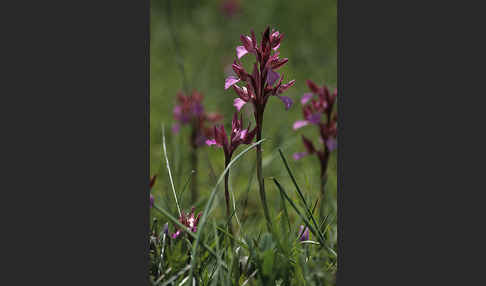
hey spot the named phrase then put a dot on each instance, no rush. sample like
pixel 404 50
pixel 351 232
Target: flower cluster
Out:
pixel 190 110
pixel 317 104
pixel 264 81
pixel 189 220
pixel 238 136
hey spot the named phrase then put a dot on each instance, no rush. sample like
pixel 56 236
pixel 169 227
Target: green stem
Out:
pixel 324 165
pixel 261 183
pixel 226 195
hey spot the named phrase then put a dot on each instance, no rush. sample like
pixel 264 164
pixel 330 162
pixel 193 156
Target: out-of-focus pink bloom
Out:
pixel 299 155
pixel 190 111
pixel 317 109
pixel 299 124
pixel 230 8
pixel 286 100
pixel 263 81
pixel 238 136
pixel 188 220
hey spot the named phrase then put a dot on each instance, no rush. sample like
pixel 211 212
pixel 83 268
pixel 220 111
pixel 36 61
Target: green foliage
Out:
pixel 205 45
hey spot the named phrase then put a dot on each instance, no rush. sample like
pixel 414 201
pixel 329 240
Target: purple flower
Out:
pixel 299 155
pixel 238 136
pixel 303 233
pixel 190 111
pixel 188 220
pixel 263 82
pixel 286 100
pixel 317 110
pixel 272 77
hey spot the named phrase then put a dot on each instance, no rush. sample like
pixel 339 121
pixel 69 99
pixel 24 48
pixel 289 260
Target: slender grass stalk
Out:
pixel 168 169
pixel 299 192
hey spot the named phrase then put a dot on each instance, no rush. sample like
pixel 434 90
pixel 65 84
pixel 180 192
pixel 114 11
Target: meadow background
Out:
pixel 191 45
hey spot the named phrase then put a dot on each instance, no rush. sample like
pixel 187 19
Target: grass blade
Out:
pixel 309 212
pixel 202 222
pixel 306 221
pixel 168 169
pixel 284 207
pixel 173 278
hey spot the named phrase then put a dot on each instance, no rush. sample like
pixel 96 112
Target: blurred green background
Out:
pixel 201 38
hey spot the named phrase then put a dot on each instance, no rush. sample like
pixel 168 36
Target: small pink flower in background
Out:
pixel 230 8
pixel 190 111
pixel 189 220
pixel 317 109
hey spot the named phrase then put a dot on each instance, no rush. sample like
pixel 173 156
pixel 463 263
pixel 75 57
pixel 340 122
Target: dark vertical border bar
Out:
pixel 340 151
pixel 77 76
pixel 147 133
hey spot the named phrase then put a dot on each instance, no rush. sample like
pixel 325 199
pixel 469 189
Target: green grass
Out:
pixel 206 44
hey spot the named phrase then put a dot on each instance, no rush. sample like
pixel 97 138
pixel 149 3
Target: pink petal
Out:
pixel 287 101
pixel 238 103
pixel 176 234
pixel 300 123
pixel 272 77
pixel 210 142
pixel 230 81
pixel 243 133
pixel 241 51
pixel 299 155
pixel 276 47
pixel 306 97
